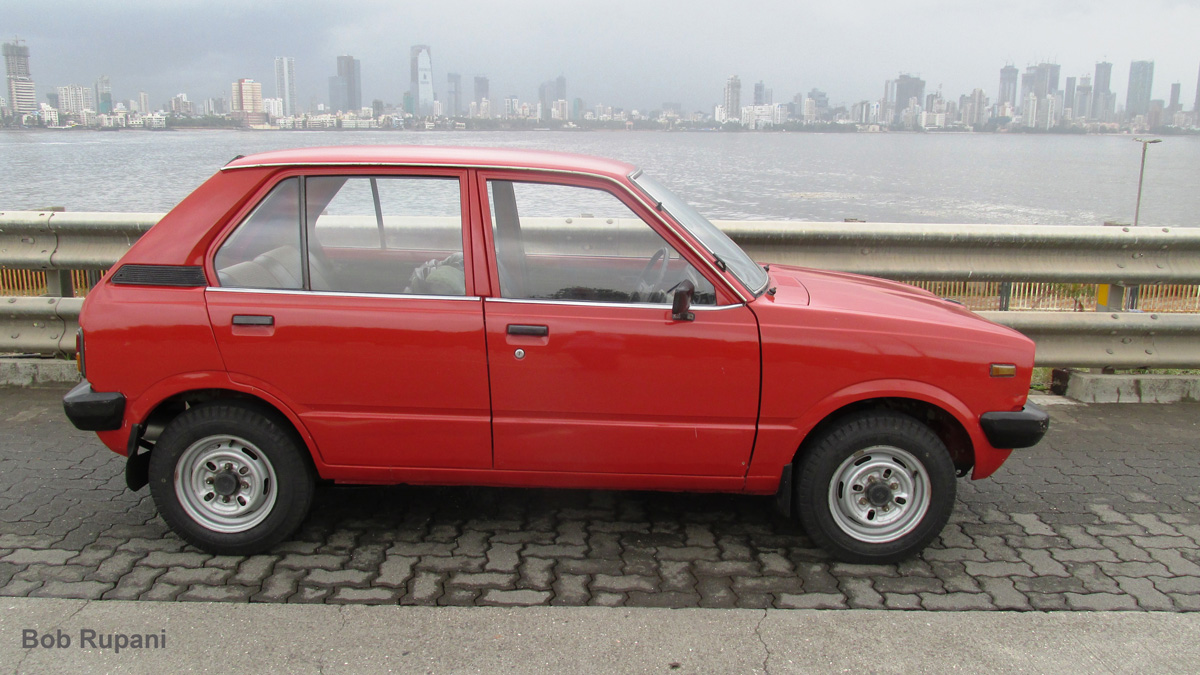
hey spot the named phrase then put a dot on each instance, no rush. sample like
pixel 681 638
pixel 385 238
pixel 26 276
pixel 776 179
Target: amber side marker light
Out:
pixel 1004 370
pixel 79 353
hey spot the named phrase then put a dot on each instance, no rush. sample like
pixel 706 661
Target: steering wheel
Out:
pixel 649 280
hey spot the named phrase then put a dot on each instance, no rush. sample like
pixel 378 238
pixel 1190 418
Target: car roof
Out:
pixel 425 155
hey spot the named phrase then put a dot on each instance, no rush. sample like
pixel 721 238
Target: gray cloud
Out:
pixel 621 52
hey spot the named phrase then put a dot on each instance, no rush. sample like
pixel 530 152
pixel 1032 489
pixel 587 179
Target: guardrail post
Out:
pixel 59 284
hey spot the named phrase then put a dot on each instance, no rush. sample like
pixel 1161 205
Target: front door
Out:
pixel 589 372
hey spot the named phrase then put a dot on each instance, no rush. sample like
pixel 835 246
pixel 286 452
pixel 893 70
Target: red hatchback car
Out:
pixel 466 316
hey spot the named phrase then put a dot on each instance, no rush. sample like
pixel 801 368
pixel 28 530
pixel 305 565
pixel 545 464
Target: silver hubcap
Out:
pixel 225 484
pixel 879 494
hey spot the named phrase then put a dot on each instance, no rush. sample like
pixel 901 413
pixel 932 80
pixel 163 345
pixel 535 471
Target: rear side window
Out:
pixel 361 234
pixel 264 251
pixel 385 234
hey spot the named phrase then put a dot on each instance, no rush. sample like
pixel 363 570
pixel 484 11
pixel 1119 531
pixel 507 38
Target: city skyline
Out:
pixel 843 51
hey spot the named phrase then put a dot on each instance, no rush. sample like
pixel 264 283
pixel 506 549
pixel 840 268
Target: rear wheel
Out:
pixel 877 488
pixel 229 479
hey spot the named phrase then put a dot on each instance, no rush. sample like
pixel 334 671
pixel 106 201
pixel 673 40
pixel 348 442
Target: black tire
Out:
pixel 230 479
pixel 859 498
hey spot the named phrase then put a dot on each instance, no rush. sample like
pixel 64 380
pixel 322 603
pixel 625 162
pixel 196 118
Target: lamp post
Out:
pixel 1142 174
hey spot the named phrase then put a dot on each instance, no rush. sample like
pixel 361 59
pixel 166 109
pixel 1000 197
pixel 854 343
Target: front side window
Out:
pixel 564 242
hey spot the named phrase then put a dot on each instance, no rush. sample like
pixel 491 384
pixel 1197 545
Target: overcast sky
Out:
pixel 627 53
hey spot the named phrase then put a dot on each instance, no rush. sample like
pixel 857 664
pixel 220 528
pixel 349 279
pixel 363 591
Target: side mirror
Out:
pixel 682 300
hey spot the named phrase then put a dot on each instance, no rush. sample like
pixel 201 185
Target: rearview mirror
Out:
pixel 682 301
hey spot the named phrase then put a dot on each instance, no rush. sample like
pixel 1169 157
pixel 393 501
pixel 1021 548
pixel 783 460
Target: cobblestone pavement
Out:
pixel 1103 514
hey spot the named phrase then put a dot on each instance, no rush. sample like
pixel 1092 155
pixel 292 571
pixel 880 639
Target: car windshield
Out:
pixel 717 242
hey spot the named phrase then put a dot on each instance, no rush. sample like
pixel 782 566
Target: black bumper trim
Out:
pixel 1015 429
pixel 92 410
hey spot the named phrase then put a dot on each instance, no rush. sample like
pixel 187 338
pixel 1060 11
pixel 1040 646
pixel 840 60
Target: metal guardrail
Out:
pixel 1077 254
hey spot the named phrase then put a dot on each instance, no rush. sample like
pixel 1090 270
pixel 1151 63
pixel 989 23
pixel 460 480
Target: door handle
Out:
pixel 253 320
pixel 522 329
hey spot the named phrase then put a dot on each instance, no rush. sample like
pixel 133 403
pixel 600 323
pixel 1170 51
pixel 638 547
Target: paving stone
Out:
pixel 253 570
pixel 860 594
pixel 999 569
pixel 689 553
pixel 676 576
pixel 716 592
pixel 14 541
pixel 602 599
pixel 184 576
pixel 482 579
pixel 1033 525
pixel 134 584
pixel 590 566
pixel 174 559
pixel 365 596
pixel 280 586
pixel 1148 597
pixel 624 583
pixel 30 556
pixel 1133 569
pixel 85 590
pixel 672 600
pixel 1175 562
pixel 1100 601
pixel 202 593
pixel 724 567
pixel 744 586
pixel 305 561
pixel 503 558
pixel 901 601
pixel 163 591
pixel 812 601
pixel 310 595
pixel 523 597
pixel 1043 564
pixel 321 577
pixel 571 589
pixel 394 571
pixel 909 585
pixel 1003 593
pixel 1093 555
pixel 817 579
pixel 537 573
pixel 956 601
pixel 953 554
pixel 425 588
pixel 149 545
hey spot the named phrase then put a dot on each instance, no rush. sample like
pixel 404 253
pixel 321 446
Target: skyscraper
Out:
pixel 21 94
pixel 73 99
pixel 1069 97
pixel 1141 78
pixel 481 90
pixel 1008 85
pixel 1196 105
pixel 104 103
pixel 245 102
pixel 454 94
pixel 1103 100
pixel 345 88
pixel 421 80
pixel 760 93
pixel 285 83
pixel 1082 105
pixel 733 98
pixel 910 93
pixel 1174 106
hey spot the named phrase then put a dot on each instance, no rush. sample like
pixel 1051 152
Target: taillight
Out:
pixel 79 359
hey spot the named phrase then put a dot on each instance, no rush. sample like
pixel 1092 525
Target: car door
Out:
pixel 343 294
pixel 589 371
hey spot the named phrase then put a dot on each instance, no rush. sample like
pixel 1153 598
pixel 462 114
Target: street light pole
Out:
pixel 1142 174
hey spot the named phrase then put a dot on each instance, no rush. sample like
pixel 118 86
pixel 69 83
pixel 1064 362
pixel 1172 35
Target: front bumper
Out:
pixel 1012 430
pixel 93 410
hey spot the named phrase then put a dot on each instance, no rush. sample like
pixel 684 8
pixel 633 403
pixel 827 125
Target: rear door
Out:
pixel 344 295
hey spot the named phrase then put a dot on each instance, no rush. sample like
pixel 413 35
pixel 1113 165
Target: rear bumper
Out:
pixel 93 410
pixel 1015 429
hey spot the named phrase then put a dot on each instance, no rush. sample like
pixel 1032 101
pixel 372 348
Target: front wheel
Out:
pixel 229 479
pixel 877 488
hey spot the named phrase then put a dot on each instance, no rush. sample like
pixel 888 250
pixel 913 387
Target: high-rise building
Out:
pixel 285 83
pixel 1141 79
pixel 481 90
pixel 1103 99
pixel 421 80
pixel 760 93
pixel 73 99
pixel 733 98
pixel 1174 106
pixel 1196 105
pixel 247 96
pixel 454 94
pixel 143 103
pixel 21 94
pixel 104 102
pixel 345 88
pixel 1008 85
pixel 1082 105
pixel 910 93
pixel 1069 97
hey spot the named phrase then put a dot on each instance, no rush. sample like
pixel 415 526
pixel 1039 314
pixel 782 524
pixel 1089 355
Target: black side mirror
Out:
pixel 682 301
